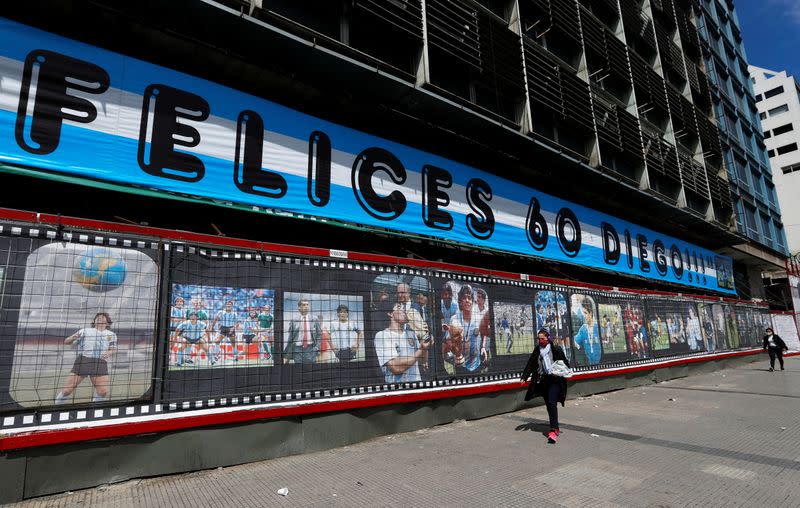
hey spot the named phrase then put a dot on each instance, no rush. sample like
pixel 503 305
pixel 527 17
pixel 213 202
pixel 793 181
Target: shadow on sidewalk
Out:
pixel 531 424
pixel 535 426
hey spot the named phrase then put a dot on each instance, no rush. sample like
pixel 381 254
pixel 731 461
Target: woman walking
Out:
pixel 775 346
pixel 552 388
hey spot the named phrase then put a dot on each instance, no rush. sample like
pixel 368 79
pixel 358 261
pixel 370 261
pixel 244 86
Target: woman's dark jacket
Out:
pixel 538 385
pixel 777 340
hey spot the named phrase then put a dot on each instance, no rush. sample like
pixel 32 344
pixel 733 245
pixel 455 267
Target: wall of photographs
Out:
pixel 93 320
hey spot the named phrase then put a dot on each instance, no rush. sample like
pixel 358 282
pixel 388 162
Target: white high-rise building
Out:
pixel 778 103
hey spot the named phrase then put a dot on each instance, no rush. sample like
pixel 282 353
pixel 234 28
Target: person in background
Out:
pixel 774 345
pixel 552 388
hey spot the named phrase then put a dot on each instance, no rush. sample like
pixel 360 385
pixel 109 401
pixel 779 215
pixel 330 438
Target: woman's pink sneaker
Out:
pixel 552 437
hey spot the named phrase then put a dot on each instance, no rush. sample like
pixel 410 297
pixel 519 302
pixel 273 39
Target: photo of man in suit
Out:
pixel 303 336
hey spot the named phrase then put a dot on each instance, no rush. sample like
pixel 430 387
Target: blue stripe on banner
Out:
pixel 112 157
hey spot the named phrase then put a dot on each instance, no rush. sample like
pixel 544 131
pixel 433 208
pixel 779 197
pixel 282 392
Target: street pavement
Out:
pixel 729 438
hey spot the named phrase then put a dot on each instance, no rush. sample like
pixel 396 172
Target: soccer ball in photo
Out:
pixel 100 269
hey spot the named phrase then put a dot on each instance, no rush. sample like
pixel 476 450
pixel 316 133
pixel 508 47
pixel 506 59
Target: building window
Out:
pixel 792 147
pixel 770 153
pixel 767 135
pixel 772 93
pixel 779 110
pixel 762 116
pixel 766 228
pixel 777 131
pixel 789 169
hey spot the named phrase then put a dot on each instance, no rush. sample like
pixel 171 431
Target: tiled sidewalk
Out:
pixel 731 438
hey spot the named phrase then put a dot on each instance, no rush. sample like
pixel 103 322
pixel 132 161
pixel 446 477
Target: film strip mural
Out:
pixel 78 318
pixel 99 327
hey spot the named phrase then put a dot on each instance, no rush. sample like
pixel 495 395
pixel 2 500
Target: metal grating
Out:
pixel 405 15
pixel 638 26
pixel 693 175
pixel 650 87
pixel 559 14
pixel 608 129
pixel 557 89
pixel 577 104
pixel 720 197
pixel 453 28
pixel 631 134
pixel 709 136
pixel 543 78
pixel 671 55
pixel 661 157
pixel 476 57
pixel 606 55
pixel 501 65
pixel 690 39
pixel 682 112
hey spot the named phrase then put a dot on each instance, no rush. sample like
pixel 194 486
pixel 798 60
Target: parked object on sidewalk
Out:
pixel 545 383
pixel 775 346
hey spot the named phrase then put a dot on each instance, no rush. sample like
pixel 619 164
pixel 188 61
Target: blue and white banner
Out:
pixel 71 108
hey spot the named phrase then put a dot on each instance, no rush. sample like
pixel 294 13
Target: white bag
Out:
pixel 560 369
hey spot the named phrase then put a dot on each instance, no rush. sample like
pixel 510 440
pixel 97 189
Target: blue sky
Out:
pixel 771 32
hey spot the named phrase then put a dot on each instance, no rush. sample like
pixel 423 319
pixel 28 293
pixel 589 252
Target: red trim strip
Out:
pixel 62 436
pixel 186 236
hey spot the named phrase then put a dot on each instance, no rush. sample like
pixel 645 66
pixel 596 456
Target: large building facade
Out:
pixel 779 110
pixel 229 211
pixel 757 212
pixel 627 98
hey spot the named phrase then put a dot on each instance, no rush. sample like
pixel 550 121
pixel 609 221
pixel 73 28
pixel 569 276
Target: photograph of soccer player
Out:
pixel 398 349
pixel 467 333
pixel 177 313
pixel 521 339
pixel 720 326
pixel 266 333
pixel 96 346
pixel 636 330
pixel 708 340
pixel 586 330
pixel 551 315
pixel 732 327
pixel 227 330
pixel 346 337
pixel 413 294
pixel 612 332
pixel 188 335
pixel 67 295
pixel 658 331
pixel 228 320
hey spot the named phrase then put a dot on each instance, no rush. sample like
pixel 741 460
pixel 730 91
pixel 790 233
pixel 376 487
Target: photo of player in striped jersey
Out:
pixel 238 327
pixel 191 332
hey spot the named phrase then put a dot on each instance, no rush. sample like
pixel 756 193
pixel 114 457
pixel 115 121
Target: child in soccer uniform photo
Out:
pixel 96 345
